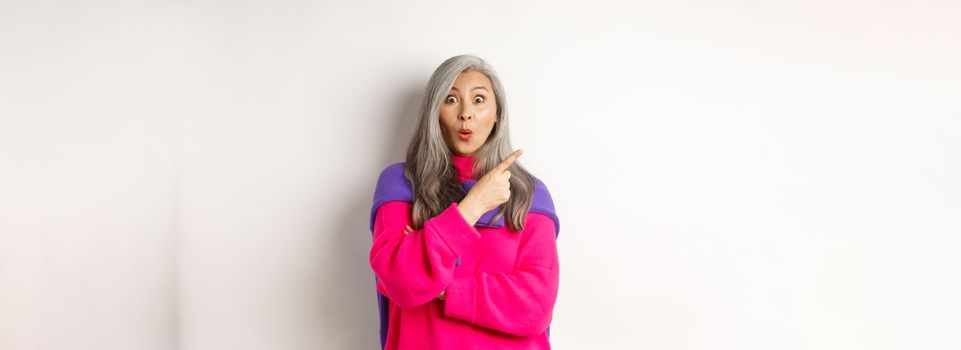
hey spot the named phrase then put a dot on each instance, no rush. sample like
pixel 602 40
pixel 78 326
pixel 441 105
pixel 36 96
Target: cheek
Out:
pixel 446 120
pixel 490 116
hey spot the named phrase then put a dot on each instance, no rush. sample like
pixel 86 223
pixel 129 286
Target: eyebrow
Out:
pixel 472 89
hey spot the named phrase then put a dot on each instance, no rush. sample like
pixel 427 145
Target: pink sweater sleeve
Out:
pixel 412 269
pixel 520 302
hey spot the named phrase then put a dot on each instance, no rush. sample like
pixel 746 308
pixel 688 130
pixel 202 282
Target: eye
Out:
pixel 451 99
pixel 479 99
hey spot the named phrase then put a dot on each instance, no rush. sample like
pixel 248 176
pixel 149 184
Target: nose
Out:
pixel 466 113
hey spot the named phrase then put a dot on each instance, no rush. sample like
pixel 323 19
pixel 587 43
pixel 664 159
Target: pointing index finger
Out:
pixel 508 161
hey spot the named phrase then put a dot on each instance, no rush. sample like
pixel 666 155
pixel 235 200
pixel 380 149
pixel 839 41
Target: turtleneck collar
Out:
pixel 464 165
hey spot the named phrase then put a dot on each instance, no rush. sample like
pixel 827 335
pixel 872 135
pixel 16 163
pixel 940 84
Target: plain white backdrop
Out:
pixel 728 174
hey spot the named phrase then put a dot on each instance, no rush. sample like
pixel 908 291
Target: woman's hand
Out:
pixel 492 190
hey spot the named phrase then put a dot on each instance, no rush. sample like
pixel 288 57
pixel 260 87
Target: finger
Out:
pixel 508 161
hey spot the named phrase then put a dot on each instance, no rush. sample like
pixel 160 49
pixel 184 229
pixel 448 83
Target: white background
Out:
pixel 728 174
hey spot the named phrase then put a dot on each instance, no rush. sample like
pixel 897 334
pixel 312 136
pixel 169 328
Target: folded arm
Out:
pixel 520 302
pixel 414 267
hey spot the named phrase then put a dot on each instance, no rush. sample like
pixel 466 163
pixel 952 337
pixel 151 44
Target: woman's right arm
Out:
pixel 414 268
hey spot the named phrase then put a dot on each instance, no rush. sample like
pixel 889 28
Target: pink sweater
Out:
pixel 500 286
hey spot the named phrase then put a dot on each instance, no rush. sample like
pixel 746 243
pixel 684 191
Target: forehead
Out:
pixel 469 79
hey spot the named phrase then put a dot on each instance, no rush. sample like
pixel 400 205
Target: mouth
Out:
pixel 465 134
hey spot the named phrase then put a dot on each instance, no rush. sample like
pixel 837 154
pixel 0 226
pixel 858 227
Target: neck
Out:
pixel 464 165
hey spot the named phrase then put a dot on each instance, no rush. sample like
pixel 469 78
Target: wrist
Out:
pixel 468 212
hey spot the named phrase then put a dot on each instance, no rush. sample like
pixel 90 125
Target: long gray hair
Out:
pixel 429 168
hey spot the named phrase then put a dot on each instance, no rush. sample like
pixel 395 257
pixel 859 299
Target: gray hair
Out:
pixel 429 167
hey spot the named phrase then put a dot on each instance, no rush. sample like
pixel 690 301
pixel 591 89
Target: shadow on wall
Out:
pixel 348 292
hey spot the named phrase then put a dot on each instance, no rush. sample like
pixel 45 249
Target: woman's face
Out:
pixel 470 104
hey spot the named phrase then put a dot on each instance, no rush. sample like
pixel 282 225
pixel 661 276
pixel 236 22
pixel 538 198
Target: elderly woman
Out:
pixel 464 238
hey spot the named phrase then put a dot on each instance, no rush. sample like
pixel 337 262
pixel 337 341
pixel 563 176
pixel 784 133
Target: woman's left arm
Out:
pixel 520 302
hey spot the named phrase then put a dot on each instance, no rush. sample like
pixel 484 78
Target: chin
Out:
pixel 466 151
